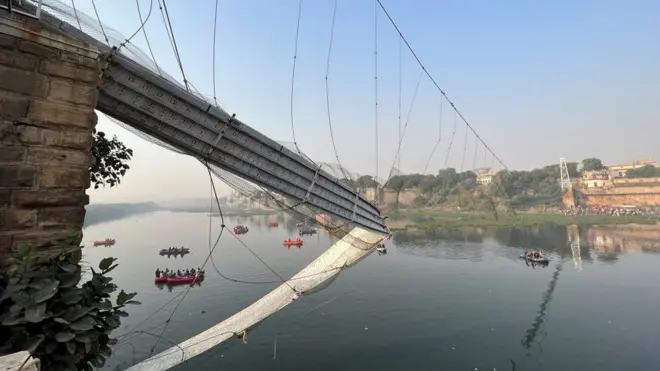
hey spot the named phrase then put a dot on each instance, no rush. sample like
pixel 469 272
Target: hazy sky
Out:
pixel 538 80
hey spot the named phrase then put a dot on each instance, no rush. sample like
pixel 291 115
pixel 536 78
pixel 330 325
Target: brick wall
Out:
pixel 47 99
pixel 618 196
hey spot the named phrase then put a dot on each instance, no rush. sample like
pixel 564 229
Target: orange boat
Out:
pixel 273 224
pixel 290 242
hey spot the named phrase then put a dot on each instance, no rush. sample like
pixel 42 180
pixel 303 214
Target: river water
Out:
pixel 438 300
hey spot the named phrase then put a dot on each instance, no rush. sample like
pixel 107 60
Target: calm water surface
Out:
pixel 439 300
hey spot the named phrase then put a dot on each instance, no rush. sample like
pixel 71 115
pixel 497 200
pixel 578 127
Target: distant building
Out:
pixel 620 170
pixel 595 179
pixel 484 176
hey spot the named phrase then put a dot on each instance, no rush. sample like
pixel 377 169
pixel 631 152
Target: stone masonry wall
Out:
pixel 47 99
pixel 619 196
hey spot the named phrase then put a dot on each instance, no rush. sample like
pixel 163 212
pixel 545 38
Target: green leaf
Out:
pixel 123 297
pixel 75 313
pixel 84 324
pixel 68 267
pixel 36 313
pixel 97 282
pixel 41 282
pixel 13 320
pixel 105 350
pixel 87 337
pixel 51 346
pixel 112 341
pixel 71 297
pixel 134 302
pixel 47 291
pixel 98 361
pixel 71 347
pixel 24 249
pixel 112 267
pixel 106 263
pixel 104 305
pixel 12 270
pixel 50 329
pixel 15 289
pixel 15 309
pixel 113 321
pixel 22 298
pixel 64 336
pixel 61 320
pixel 40 274
pixel 109 288
pixel 69 279
pixel 34 343
pixel 121 313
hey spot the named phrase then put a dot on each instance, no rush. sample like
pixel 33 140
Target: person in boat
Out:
pixel 187 272
pixel 157 272
pixel 192 271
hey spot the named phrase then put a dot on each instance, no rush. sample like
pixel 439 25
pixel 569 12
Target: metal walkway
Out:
pixel 141 98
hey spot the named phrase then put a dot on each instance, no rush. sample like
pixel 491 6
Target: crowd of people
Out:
pixel 178 273
pixel 534 254
pixel 612 211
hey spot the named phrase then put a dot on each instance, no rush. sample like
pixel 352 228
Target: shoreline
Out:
pixel 433 220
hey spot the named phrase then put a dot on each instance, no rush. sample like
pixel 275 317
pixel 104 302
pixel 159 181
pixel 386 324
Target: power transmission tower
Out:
pixel 565 182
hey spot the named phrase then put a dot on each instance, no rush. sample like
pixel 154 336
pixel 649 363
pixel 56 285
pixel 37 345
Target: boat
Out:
pixel 240 229
pixel 535 260
pixel 290 242
pixel 299 224
pixel 381 248
pixel 179 280
pixel 307 230
pixel 106 242
pixel 273 224
pixel 175 251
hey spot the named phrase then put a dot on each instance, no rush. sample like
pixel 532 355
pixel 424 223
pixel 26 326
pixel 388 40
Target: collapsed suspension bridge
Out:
pixel 134 91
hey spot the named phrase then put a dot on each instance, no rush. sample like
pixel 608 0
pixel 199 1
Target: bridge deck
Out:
pixel 154 105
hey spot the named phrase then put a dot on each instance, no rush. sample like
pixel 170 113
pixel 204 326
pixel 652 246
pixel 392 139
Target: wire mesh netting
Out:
pixel 110 37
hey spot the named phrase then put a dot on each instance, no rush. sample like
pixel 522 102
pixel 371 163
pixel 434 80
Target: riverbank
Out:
pixel 246 212
pixel 420 219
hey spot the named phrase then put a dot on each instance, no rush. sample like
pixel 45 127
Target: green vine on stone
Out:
pixel 65 325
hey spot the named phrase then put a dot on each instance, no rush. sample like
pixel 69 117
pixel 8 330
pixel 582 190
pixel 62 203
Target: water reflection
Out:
pixel 473 305
pixel 533 331
pixel 583 244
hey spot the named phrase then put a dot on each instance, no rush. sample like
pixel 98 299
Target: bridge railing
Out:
pixel 140 95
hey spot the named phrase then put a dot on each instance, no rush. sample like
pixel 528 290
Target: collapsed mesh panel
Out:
pixel 292 207
pixel 110 37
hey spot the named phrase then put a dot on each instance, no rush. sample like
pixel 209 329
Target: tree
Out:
pixel 366 181
pixel 396 183
pixel 49 312
pixel 648 171
pixel 591 164
pixel 111 159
